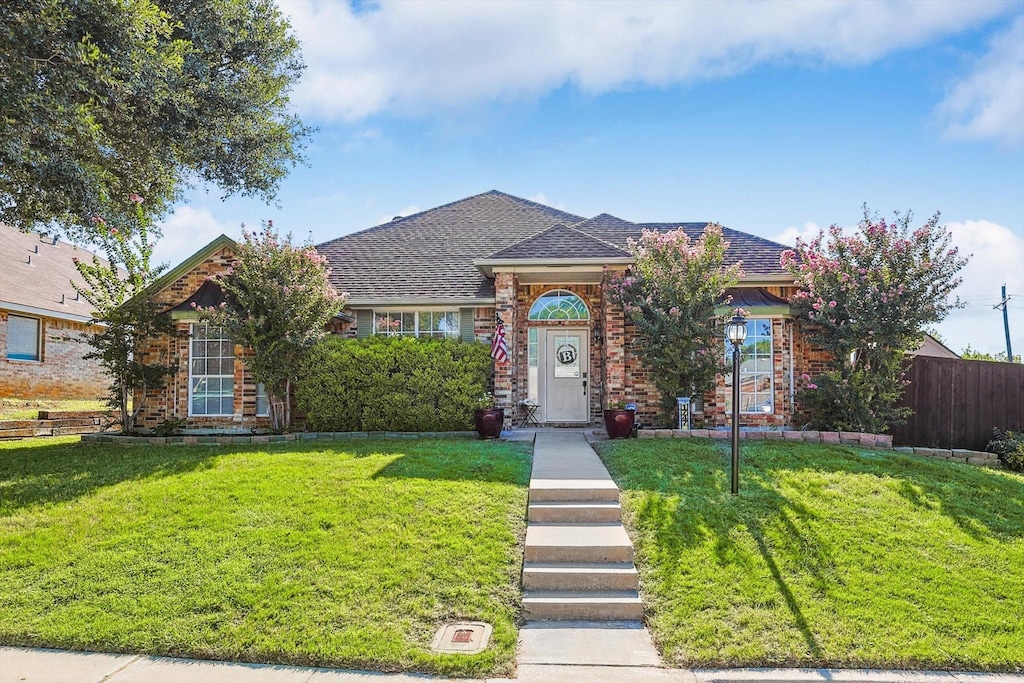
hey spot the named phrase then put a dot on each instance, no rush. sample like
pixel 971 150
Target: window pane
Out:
pixel 559 304
pixel 262 403
pixel 22 338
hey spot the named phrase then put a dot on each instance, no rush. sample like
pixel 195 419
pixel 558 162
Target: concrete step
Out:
pixel 582 605
pixel 578 576
pixel 572 511
pixel 546 490
pixel 577 543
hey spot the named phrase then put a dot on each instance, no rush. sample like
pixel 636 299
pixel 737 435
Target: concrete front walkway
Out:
pixel 581 602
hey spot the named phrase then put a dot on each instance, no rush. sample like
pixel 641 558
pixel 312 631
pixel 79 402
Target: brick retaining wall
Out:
pixel 883 441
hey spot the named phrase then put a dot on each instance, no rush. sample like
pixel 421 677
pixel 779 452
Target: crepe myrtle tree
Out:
pixel 867 299
pixel 669 295
pixel 125 317
pixel 277 301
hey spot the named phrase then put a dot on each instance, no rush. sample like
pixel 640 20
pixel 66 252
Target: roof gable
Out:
pixel 560 242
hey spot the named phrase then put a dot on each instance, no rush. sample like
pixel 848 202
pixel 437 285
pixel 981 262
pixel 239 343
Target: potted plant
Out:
pixel 618 420
pixel 488 419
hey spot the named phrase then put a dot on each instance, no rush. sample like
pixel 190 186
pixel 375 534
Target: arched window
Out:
pixel 559 304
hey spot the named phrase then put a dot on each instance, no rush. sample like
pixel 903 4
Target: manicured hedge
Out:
pixel 392 384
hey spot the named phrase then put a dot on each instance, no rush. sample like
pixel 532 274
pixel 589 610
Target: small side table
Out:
pixel 528 414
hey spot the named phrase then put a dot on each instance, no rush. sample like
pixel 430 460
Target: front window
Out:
pixel 416 323
pixel 756 369
pixel 211 371
pixel 559 304
pixel 23 338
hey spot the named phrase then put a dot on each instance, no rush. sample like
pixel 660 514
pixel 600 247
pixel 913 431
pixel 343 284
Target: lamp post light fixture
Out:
pixel 736 331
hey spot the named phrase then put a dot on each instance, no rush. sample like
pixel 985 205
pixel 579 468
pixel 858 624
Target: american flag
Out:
pixel 499 347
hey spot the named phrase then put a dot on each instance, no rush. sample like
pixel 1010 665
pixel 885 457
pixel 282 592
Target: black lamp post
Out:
pixel 736 331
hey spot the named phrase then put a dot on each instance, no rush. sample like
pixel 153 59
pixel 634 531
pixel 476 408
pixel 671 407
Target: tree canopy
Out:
pixel 867 299
pixel 670 295
pixel 108 98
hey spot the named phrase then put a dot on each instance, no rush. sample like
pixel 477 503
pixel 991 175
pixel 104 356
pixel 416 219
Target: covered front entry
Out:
pixel 564 374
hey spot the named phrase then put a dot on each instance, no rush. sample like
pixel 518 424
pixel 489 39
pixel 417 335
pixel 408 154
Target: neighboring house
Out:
pixel 40 317
pixel 448 271
pixel 932 347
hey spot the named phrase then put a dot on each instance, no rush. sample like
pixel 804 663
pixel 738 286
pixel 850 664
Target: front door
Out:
pixel 566 365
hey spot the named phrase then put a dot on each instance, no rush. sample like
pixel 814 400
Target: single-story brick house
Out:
pixel 449 270
pixel 40 317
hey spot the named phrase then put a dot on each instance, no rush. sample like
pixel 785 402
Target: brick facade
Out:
pixel 172 402
pixel 61 373
pixel 616 372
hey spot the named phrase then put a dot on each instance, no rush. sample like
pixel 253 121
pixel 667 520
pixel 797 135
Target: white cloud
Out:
pixel 989 101
pixel 998 259
pixel 789 236
pixel 413 57
pixel 186 231
pixel 407 211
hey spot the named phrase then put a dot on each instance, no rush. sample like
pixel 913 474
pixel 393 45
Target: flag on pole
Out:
pixel 499 347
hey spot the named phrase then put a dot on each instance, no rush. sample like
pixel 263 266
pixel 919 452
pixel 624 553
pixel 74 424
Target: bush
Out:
pixel 1009 446
pixel 392 384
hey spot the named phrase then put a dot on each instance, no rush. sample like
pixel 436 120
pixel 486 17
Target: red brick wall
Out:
pixel 61 374
pixel 172 400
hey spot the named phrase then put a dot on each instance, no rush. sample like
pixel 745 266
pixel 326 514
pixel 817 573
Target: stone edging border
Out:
pixel 882 441
pixel 227 439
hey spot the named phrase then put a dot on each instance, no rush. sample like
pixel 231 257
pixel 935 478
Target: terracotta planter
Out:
pixel 619 423
pixel 489 422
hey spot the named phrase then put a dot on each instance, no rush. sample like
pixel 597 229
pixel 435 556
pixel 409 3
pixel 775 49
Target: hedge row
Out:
pixel 392 383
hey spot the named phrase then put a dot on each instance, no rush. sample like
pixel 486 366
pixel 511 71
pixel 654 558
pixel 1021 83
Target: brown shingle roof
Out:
pixel 560 241
pixel 430 255
pixel 36 272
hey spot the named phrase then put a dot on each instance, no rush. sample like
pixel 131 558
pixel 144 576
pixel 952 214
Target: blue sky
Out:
pixel 772 118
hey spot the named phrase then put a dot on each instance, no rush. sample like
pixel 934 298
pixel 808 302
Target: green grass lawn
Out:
pixel 28 409
pixel 343 554
pixel 829 556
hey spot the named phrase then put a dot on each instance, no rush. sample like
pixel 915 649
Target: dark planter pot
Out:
pixel 619 423
pixel 489 422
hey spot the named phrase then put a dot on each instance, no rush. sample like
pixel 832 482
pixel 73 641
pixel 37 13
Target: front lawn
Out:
pixel 345 554
pixel 830 556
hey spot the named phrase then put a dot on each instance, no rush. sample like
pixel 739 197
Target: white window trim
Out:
pixel 416 310
pixel 771 371
pixel 542 321
pixel 39 339
pixel 191 332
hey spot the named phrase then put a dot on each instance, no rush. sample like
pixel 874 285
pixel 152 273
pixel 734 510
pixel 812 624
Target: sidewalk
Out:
pixel 30 665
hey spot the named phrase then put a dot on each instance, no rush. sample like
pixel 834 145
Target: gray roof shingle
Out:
pixel 560 241
pixel 36 271
pixel 430 255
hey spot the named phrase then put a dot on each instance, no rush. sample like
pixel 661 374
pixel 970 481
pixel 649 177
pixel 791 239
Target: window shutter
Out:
pixel 364 323
pixel 22 338
pixel 466 324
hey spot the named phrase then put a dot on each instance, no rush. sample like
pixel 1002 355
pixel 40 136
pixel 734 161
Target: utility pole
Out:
pixel 1006 324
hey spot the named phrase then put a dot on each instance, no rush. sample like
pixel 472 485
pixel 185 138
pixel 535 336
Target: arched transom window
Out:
pixel 559 304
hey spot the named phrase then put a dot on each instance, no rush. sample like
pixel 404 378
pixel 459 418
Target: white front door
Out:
pixel 565 367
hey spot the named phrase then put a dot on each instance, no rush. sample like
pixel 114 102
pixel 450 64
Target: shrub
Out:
pixel 392 383
pixel 1009 446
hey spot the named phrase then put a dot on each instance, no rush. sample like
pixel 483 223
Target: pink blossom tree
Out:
pixel 277 300
pixel 867 298
pixel 669 295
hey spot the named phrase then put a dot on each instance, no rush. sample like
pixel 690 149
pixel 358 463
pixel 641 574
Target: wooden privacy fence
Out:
pixel 957 403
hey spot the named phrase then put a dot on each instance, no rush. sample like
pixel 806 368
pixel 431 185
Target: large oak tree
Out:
pixel 106 98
